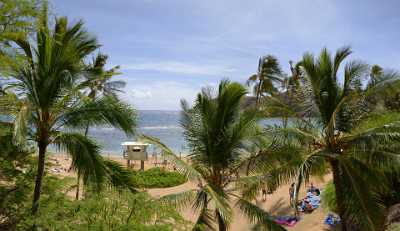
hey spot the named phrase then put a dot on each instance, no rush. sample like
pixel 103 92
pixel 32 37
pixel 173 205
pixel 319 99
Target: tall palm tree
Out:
pixel 46 82
pixel 98 82
pixel 355 155
pixel 219 134
pixel 268 73
pixel 375 74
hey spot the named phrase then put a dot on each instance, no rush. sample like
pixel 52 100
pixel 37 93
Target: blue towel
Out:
pixel 332 220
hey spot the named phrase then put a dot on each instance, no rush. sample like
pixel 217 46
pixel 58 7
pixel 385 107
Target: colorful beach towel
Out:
pixel 287 220
pixel 332 220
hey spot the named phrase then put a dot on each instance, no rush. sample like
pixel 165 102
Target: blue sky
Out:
pixel 169 49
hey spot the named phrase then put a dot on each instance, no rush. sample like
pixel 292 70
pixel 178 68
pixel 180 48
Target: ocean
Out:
pixel 163 125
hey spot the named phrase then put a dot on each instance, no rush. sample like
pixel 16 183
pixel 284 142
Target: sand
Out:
pixel 277 203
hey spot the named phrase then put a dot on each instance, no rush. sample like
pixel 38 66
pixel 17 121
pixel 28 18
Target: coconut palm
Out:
pixel 219 135
pixel 45 82
pixel 98 82
pixel 355 155
pixel 268 73
pixel 375 74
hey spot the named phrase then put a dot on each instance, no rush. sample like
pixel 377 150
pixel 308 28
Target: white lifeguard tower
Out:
pixel 135 151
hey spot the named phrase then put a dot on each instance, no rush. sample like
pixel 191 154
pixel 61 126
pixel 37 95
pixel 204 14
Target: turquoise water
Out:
pixel 161 124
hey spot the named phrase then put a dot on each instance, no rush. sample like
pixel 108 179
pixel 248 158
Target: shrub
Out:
pixel 107 210
pixel 158 178
pixel 328 198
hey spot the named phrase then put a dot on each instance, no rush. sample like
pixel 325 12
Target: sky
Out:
pixel 170 49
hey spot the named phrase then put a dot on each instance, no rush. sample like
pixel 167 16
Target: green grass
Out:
pixel 158 178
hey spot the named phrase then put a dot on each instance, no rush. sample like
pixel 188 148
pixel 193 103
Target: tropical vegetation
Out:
pixel 158 178
pixel 337 118
pixel 219 135
pixel 349 135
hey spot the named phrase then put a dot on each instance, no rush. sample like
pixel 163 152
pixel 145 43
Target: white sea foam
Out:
pixel 159 127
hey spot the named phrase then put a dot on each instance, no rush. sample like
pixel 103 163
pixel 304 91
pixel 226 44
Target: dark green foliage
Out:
pixel 221 136
pixel 268 74
pixel 16 19
pixel 49 97
pixel 328 198
pixel 106 211
pixel 158 178
pixel 17 174
pixel 353 140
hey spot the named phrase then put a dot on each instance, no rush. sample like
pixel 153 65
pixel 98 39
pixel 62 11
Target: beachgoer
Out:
pixel 312 188
pixel 264 194
pixel 291 193
pixel 200 182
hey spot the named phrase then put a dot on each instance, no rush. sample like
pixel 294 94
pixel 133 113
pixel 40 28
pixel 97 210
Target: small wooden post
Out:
pixel 142 165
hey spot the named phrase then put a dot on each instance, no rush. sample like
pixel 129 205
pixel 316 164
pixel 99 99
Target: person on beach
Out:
pixel 199 182
pixel 291 193
pixel 264 194
pixel 312 188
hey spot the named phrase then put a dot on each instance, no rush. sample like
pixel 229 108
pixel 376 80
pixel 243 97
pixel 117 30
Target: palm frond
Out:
pixel 102 111
pixel 179 200
pixel 257 215
pixel 221 202
pixel 85 155
pixel 204 221
pixel 375 133
pixel 119 177
pixel 314 163
pixel 340 56
pixel 387 84
pixel 181 166
pixel 363 206
pixel 21 124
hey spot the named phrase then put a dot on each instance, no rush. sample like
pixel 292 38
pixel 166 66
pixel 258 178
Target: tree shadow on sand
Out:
pixel 280 208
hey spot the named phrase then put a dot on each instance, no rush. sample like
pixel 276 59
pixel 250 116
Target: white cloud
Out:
pixel 160 95
pixel 181 68
pixel 141 94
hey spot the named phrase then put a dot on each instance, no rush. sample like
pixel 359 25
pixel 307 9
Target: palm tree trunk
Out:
pixel 339 194
pixel 78 180
pixel 86 130
pixel 221 223
pixel 39 176
pixel 258 94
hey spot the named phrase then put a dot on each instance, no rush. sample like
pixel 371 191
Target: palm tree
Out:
pixel 99 82
pixel 375 74
pixel 45 81
pixel 218 133
pixel 355 155
pixel 268 73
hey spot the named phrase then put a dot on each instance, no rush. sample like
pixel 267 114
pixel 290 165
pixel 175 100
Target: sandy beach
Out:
pixel 276 203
